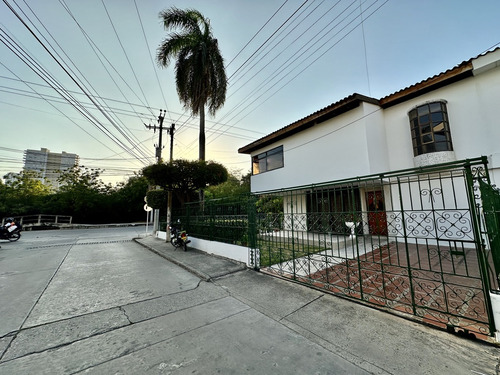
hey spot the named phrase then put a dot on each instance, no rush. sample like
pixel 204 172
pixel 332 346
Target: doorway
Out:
pixel 377 218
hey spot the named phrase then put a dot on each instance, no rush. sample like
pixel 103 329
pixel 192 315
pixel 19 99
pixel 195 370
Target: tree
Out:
pixel 82 178
pixel 199 71
pixel 28 184
pixel 127 200
pixel 233 187
pixel 83 195
pixel 24 194
pixel 185 177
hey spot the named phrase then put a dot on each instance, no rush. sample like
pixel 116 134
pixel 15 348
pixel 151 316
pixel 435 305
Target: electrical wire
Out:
pixel 267 52
pixel 257 33
pixel 151 57
pixel 120 111
pixel 258 100
pixel 267 40
pixel 59 88
pixel 42 73
pixel 94 47
pixel 124 51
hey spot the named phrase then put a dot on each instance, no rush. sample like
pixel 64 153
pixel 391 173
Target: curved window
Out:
pixel 430 130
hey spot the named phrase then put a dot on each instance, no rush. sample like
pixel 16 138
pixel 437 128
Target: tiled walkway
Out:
pixel 438 286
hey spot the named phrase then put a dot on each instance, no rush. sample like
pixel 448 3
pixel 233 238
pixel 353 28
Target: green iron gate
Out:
pixel 490 197
pixel 410 241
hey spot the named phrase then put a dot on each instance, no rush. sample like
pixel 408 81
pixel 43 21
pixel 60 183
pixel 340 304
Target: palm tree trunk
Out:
pixel 202 144
pixel 202 134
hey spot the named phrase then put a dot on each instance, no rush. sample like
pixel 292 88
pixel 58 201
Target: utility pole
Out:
pixel 171 132
pixel 159 148
pixel 160 127
pixel 169 197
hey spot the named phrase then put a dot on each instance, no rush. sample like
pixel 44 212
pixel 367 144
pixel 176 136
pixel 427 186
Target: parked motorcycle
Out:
pixel 178 238
pixel 11 230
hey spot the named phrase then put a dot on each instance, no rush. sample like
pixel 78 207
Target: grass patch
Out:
pixel 274 251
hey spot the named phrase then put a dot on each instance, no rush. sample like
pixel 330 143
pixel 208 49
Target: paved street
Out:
pixel 95 301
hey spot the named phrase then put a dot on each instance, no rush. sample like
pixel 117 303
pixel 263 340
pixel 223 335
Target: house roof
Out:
pixel 333 110
pixel 459 72
pixel 455 74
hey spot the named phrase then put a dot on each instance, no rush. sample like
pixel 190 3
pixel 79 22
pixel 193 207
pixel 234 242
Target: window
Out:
pixel 267 161
pixel 430 131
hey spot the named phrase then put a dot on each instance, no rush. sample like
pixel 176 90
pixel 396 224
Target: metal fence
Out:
pixel 412 241
pixel 221 220
pixel 42 220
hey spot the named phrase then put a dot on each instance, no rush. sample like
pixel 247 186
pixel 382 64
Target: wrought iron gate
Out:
pixel 409 241
pixel 490 197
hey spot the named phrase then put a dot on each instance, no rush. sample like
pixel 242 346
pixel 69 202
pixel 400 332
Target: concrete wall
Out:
pixel 234 252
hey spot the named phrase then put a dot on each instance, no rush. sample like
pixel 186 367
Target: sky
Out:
pixel 81 76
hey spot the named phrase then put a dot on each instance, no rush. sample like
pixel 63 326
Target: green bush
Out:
pixel 157 198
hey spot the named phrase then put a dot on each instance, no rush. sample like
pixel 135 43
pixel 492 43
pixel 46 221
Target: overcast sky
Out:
pixel 285 60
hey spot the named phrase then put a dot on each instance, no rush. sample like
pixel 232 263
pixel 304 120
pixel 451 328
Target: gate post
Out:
pixel 252 231
pixel 292 225
pixel 480 247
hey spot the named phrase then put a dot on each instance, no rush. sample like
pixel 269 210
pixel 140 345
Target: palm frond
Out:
pixel 199 70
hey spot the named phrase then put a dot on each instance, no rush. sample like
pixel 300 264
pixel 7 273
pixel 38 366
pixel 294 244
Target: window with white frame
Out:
pixel 267 161
pixel 430 129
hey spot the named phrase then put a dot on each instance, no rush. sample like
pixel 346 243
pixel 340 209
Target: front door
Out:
pixel 377 219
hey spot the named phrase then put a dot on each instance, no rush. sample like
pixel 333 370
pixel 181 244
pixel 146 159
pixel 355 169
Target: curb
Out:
pixel 187 267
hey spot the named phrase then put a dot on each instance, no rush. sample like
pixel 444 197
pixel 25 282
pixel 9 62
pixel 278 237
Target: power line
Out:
pixel 58 100
pixel 257 33
pixel 269 87
pixel 151 58
pixel 123 132
pixel 262 45
pixel 124 51
pixel 59 88
pixel 42 73
pixel 94 47
pixel 275 76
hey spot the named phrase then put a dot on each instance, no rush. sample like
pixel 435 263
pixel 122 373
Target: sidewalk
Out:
pixel 205 266
pixel 376 341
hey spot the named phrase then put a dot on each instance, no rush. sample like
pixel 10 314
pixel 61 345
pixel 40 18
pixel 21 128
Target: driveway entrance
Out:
pixel 418 246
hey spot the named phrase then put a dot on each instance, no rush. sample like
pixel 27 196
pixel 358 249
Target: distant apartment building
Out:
pixel 49 164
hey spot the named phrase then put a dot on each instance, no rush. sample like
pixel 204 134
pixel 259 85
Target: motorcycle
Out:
pixel 178 238
pixel 11 230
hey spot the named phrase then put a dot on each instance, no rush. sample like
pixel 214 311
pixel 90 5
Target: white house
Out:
pixel 451 116
pixel 373 191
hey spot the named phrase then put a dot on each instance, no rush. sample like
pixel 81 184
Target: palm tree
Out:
pixel 200 75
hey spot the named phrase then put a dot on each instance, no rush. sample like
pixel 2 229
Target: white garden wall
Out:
pixel 234 252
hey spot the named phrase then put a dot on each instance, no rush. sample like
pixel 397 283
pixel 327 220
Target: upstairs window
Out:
pixel 267 161
pixel 430 130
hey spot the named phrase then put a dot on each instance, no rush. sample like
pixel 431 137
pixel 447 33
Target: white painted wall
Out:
pixel 473 111
pixel 332 150
pixel 234 252
pixel 376 139
pixel 369 140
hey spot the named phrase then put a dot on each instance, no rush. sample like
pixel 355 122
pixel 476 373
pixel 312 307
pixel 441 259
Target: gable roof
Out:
pixel 317 117
pixel 459 72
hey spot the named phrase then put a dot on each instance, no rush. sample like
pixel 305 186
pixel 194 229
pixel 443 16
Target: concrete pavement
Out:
pixel 374 341
pixel 103 304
